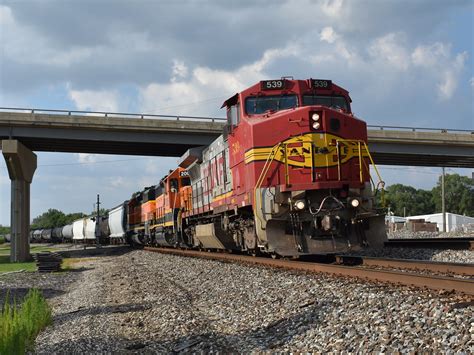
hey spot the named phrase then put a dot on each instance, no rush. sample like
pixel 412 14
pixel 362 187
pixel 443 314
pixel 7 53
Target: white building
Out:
pixel 454 222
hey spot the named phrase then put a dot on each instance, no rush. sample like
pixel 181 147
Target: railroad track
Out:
pixel 463 285
pixel 433 243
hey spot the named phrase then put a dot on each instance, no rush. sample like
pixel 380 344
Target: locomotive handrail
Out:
pixel 105 114
pixel 361 143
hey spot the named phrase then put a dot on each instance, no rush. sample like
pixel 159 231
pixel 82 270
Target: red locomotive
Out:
pixel 289 176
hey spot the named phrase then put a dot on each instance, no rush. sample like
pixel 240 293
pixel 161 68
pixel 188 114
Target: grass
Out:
pixel 2 240
pixel 69 263
pixel 19 325
pixel 7 266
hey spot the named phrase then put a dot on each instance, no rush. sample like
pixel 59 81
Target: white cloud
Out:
pixel 437 59
pixel 86 158
pixel 471 81
pixel 95 100
pixel 382 67
pixel 391 49
pixel 6 16
pixel 179 70
pixel 333 8
pixel 328 35
pixel 201 93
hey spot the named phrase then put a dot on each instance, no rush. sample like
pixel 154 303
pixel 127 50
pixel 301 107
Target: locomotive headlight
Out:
pixel 316 125
pixel 300 205
pixel 355 203
pixel 315 117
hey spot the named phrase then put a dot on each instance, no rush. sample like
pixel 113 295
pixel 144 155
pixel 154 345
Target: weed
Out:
pixel 19 325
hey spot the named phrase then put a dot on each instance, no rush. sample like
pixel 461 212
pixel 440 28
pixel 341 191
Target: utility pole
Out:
pixel 443 204
pixel 97 222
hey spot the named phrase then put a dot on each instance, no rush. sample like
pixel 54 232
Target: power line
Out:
pixel 90 163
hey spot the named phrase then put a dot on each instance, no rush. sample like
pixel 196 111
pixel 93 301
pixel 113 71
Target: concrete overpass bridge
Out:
pixel 23 131
pixel 159 135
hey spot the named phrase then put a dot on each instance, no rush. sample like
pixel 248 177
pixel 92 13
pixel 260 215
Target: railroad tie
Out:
pixel 48 262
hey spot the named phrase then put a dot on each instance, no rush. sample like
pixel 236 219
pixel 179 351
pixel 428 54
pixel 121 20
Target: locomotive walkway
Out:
pixel 159 135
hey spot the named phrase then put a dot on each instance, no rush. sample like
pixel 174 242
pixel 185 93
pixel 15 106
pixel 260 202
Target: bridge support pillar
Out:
pixel 21 164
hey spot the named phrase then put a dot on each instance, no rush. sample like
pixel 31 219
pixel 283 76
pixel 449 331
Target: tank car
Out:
pixel 46 235
pixel 56 235
pixel 37 235
pixel 67 232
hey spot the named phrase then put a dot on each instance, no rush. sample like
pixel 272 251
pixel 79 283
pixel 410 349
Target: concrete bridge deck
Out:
pixel 159 135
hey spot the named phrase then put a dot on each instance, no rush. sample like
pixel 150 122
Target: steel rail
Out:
pixel 403 278
pixel 433 243
pixel 434 266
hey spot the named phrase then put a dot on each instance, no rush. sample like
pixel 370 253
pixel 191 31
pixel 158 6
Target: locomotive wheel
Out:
pixel 250 240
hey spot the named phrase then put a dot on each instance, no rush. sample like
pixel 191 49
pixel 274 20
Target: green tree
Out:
pixel 102 212
pixel 55 218
pixel 4 230
pixel 71 217
pixel 459 194
pixel 50 219
pixel 399 197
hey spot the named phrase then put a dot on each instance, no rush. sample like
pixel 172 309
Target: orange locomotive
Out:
pixel 154 212
pixel 289 176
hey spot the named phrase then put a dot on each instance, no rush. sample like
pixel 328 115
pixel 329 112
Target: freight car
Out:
pixel 67 233
pixel 46 235
pixel 117 223
pixel 289 176
pixel 86 230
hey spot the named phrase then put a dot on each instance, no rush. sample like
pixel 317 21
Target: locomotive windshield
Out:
pixel 261 104
pixel 329 101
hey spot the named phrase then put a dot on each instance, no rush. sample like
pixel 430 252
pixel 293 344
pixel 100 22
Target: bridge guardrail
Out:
pixel 111 114
pixel 421 129
pixel 212 119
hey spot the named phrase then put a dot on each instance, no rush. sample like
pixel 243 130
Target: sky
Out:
pixel 405 63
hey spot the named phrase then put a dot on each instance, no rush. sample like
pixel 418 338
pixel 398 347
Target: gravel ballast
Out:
pixel 447 256
pixel 143 302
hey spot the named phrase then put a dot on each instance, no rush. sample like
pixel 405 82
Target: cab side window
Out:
pixel 174 184
pixel 233 115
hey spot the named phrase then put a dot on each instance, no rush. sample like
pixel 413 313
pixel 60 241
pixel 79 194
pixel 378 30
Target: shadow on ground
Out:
pixel 91 251
pixel 18 293
pixel 259 339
